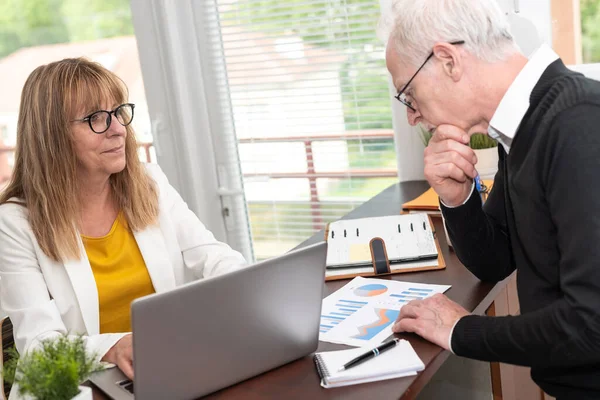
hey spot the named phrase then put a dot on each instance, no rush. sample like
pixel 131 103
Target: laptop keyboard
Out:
pixel 127 385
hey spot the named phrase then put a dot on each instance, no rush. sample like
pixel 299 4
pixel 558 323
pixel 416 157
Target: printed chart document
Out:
pixel 363 311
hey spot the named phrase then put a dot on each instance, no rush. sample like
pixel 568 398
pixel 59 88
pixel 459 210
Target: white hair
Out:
pixel 415 26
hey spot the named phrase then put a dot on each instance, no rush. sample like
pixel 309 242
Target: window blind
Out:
pixel 305 99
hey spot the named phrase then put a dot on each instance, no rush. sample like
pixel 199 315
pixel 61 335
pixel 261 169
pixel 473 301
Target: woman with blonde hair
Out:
pixel 85 227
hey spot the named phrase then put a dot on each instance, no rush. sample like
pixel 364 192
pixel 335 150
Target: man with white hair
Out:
pixel 458 71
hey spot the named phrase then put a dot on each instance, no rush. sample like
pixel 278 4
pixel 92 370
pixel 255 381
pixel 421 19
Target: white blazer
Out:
pixel 44 298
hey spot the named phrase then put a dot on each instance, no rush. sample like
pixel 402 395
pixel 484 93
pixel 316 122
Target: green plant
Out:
pixel 54 371
pixel 482 141
pixel 478 140
pixel 424 134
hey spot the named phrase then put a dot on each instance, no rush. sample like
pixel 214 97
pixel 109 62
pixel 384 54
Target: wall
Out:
pixel 537 11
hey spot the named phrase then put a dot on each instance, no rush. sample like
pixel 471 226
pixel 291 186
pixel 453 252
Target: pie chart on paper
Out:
pixel 370 290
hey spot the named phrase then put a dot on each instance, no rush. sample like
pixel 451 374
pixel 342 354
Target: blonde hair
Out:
pixel 45 172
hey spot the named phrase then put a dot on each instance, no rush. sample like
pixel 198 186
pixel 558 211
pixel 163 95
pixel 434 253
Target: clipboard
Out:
pixel 379 263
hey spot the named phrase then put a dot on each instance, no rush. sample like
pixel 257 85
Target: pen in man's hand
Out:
pixel 478 183
pixel 370 354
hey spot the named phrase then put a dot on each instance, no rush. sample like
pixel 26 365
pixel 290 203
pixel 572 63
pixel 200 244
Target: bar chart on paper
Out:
pixel 363 311
pixel 412 294
pixel 342 310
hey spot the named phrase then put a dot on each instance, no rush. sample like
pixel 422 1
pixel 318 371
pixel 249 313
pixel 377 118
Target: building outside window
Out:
pixel 36 32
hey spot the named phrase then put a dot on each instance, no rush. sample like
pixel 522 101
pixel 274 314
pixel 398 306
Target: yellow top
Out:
pixel 120 273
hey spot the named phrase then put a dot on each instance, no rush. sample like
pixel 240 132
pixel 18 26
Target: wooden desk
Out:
pixel 299 379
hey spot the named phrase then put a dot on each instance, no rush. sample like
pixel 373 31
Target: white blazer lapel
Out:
pixel 84 285
pixel 156 256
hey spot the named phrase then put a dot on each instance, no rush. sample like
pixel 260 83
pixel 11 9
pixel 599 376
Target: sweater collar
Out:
pixel 554 71
pixel 515 102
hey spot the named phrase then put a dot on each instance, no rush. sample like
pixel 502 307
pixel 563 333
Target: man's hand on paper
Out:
pixel 450 164
pixel 432 318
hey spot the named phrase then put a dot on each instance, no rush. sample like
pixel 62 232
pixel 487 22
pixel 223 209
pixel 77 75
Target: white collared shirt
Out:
pixel 515 103
pixel 513 106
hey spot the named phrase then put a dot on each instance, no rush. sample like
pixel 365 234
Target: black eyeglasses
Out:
pixel 401 97
pixel 100 121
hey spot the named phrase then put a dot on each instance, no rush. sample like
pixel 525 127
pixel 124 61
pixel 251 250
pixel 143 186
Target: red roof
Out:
pixel 119 55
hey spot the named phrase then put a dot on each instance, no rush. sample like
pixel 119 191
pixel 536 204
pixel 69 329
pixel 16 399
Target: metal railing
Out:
pixel 311 174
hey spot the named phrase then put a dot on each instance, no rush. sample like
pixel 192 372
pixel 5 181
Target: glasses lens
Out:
pixel 99 121
pixel 406 101
pixel 124 114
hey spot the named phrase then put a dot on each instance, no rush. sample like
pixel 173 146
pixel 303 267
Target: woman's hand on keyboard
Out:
pixel 121 354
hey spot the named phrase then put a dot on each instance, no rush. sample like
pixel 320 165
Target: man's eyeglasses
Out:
pixel 401 97
pixel 100 121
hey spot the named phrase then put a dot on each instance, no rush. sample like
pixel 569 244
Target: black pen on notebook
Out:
pixel 370 354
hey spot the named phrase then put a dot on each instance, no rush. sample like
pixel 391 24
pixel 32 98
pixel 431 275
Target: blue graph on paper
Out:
pixel 343 309
pixel 412 294
pixel 384 318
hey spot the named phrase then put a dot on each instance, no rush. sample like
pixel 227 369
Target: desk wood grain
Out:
pixel 299 379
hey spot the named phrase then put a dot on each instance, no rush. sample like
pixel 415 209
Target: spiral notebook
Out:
pixel 400 361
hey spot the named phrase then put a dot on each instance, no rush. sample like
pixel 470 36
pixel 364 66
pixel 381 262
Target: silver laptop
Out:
pixel 210 334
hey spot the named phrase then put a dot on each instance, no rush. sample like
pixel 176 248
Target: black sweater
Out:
pixel 542 218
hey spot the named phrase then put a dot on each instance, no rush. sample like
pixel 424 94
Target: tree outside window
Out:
pixel 590 30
